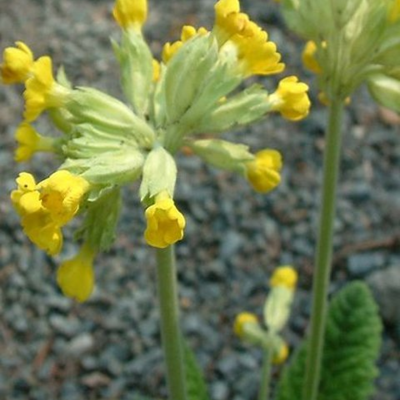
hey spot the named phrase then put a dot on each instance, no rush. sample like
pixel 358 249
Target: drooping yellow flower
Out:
pixel 282 355
pixel 284 276
pixel 256 55
pixel 130 13
pixel 76 277
pixel 17 64
pixel 43 231
pixel 188 31
pixel 30 142
pixel 308 57
pixel 26 198
pixel 165 224
pixel 291 99
pixel 237 34
pixel 61 194
pixel 39 89
pixel 264 172
pixel 241 320
pixel 46 207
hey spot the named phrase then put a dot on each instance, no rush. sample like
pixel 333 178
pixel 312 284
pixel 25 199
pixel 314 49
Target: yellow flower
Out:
pixel 45 207
pixel 394 11
pixel 26 199
pixel 237 34
pixel 61 194
pixel 241 320
pixel 38 88
pixel 188 31
pixel 17 63
pixel 264 172
pixel 165 224
pixel 156 70
pixel 284 276
pixel 76 277
pixel 29 142
pixel 308 57
pixel 281 356
pixel 291 99
pixel 43 231
pixel 130 13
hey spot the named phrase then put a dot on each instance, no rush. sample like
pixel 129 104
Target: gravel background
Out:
pixel 108 348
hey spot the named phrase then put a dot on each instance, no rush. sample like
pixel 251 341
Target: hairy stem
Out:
pixel 324 251
pixel 263 394
pixel 170 332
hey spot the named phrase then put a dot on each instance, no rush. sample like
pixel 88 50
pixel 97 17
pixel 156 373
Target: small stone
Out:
pixel 81 344
pixel 219 391
pixel 385 285
pixel 360 265
pixel 95 380
pixel 67 326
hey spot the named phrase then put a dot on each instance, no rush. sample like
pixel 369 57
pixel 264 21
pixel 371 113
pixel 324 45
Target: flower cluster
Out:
pixel 356 44
pixel 105 144
pixel 276 314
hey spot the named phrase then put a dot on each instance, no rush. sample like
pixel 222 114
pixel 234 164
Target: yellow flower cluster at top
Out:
pixel 345 51
pixel 105 144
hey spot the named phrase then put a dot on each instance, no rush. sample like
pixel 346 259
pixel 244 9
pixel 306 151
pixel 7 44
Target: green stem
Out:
pixel 170 332
pixel 266 375
pixel 324 251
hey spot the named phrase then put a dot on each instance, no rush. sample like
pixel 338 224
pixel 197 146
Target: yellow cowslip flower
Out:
pixel 29 142
pixel 130 13
pixel 156 70
pixel 17 64
pixel 61 195
pixel 282 355
pixel 241 320
pixel 47 206
pixel 291 99
pixel 394 12
pixel 38 89
pixel 26 198
pixel 76 277
pixel 264 172
pixel 256 55
pixel 284 276
pixel 43 231
pixel 308 57
pixel 188 31
pixel 236 33
pixel 165 224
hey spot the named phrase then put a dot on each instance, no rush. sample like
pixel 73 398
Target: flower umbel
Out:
pixel 76 277
pixel 17 63
pixel 165 224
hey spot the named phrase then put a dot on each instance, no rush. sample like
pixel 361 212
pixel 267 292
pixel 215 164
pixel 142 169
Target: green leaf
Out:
pixel 352 342
pixel 195 384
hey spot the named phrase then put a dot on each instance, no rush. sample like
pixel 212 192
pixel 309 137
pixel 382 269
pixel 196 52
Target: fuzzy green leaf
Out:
pixel 352 342
pixel 195 384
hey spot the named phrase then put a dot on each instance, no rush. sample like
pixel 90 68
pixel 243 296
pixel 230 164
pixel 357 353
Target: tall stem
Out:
pixel 263 394
pixel 170 332
pixel 324 251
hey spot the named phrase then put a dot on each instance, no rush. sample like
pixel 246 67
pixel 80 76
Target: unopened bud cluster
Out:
pixel 105 143
pixel 350 42
pixel 276 314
